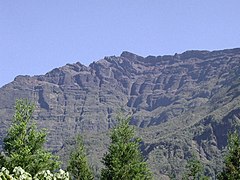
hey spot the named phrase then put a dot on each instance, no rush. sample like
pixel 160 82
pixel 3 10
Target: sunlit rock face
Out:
pixel 185 97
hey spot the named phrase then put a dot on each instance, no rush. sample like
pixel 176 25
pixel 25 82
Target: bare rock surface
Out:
pixel 179 104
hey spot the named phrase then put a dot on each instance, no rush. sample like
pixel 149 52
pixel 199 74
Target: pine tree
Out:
pixel 232 160
pixel 24 145
pixel 124 160
pixel 195 170
pixel 78 163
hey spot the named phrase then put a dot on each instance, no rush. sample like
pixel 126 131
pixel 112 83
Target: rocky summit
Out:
pixel 180 104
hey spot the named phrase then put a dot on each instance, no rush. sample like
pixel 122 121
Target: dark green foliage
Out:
pixel 124 160
pixel 23 145
pixel 231 169
pixel 2 160
pixel 195 170
pixel 78 164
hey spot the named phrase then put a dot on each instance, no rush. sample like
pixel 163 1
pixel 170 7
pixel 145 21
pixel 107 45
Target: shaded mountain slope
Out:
pixel 181 103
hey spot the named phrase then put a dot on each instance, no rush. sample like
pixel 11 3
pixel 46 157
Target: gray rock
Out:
pixel 169 98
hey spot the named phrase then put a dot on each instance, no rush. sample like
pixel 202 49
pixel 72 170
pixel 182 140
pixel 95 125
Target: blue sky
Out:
pixel 37 36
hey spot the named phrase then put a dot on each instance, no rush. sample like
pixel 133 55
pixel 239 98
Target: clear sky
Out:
pixel 37 36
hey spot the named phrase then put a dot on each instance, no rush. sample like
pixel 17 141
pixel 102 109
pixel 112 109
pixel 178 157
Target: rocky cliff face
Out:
pixel 179 103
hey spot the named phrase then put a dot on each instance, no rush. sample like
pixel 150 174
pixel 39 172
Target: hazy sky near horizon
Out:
pixel 37 36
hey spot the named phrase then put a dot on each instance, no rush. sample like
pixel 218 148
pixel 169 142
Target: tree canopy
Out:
pixel 24 145
pixel 124 159
pixel 231 169
pixel 78 164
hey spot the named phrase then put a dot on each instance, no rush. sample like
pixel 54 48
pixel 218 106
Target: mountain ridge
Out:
pixel 177 103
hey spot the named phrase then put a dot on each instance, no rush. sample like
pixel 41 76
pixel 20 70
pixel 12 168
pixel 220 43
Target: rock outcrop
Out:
pixel 180 103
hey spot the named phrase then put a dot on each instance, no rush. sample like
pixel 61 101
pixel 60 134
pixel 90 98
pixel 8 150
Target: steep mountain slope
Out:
pixel 179 104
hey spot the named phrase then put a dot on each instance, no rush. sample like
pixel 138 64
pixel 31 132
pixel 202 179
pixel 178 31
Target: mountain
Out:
pixel 179 104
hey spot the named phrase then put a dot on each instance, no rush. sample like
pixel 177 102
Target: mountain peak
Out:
pixel 129 55
pixel 171 97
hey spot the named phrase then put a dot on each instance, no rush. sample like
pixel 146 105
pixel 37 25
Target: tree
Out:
pixel 231 169
pixel 124 159
pixel 195 170
pixel 24 145
pixel 78 163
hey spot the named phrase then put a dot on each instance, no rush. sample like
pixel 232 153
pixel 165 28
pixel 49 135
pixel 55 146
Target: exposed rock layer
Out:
pixel 180 103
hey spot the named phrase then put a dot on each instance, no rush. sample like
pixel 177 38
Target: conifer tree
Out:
pixel 78 164
pixel 231 169
pixel 195 170
pixel 124 160
pixel 24 145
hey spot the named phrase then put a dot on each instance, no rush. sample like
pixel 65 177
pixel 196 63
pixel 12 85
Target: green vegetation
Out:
pixel 124 159
pixel 231 170
pixel 24 156
pixel 232 159
pixel 78 163
pixel 24 145
pixel 195 170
